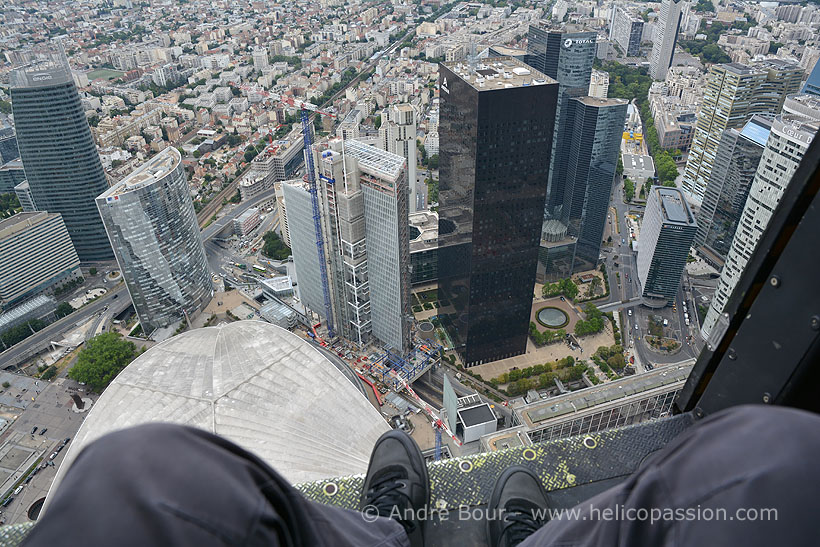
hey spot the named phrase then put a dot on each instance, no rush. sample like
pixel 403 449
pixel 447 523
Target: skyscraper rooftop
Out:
pixel 499 73
pixel 673 208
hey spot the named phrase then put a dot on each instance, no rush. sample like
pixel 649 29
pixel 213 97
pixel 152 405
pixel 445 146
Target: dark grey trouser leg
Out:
pixel 738 461
pixel 168 485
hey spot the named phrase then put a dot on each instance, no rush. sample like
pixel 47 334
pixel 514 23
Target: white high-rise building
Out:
pixel 398 135
pixel 666 36
pixel 260 59
pixel 791 134
pixel 363 206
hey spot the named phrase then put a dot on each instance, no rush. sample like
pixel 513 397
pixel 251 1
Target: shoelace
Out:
pixel 385 494
pixel 520 524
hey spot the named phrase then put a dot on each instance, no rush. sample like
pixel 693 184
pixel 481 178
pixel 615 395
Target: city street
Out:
pixel 625 293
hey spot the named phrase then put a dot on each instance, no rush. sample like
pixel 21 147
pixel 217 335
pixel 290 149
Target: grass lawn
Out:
pixel 106 73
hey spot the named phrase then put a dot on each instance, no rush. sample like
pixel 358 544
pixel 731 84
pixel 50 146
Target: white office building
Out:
pixel 666 35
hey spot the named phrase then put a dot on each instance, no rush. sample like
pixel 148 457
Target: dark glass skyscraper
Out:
pixel 736 162
pixel 60 159
pixel 496 127
pixel 592 138
pixel 566 55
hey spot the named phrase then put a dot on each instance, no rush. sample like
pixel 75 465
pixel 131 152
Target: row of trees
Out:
pixel 11 336
pixel 565 287
pixel 547 337
pixel 102 358
pixel 629 189
pixel 633 83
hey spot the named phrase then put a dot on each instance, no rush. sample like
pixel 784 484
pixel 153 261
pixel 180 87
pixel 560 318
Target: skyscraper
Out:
pixel 62 166
pixel 812 85
pixel 593 132
pixel 734 92
pixel 496 127
pixel 626 29
pixel 738 156
pixel 666 235
pixel 666 35
pixel 790 136
pixel 150 219
pixel 398 135
pixel 362 192
pixel 565 54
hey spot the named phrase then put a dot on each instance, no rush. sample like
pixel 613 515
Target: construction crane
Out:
pixel 310 178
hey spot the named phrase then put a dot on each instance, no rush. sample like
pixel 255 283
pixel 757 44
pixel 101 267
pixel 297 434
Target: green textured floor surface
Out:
pixel 572 470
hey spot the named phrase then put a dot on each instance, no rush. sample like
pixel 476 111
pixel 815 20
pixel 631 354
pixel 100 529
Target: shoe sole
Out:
pixel 498 488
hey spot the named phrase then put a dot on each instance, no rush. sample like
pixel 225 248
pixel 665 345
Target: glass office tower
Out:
pixel 60 158
pixel 496 128
pixel 151 221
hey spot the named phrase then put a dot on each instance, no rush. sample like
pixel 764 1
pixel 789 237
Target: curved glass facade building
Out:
pixel 59 156
pixel 150 220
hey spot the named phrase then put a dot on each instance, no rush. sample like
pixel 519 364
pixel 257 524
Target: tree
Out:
pixel 274 247
pixel 92 271
pixel 103 357
pixel 433 163
pixel 64 309
pixel 629 189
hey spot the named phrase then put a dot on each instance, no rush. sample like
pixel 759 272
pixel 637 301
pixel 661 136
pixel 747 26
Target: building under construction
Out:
pixel 363 209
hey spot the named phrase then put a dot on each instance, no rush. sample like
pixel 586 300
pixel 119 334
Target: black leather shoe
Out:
pixel 517 507
pixel 396 485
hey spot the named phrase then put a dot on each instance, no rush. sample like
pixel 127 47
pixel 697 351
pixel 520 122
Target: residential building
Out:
pixel 625 30
pixel 260 59
pixel 397 134
pixel 150 219
pixel 734 92
pixel 36 256
pixel 666 235
pixel 496 126
pixel 789 138
pixel 738 156
pixel 666 36
pixel 62 166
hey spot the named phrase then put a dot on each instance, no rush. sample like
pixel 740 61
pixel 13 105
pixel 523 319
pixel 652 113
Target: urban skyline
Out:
pixel 498 215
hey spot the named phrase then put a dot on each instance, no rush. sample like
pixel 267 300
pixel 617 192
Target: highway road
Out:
pixel 53 332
